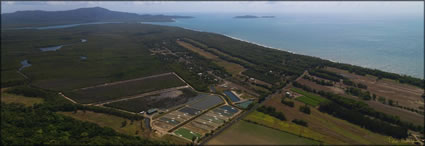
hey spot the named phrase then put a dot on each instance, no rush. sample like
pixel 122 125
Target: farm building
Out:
pixel 151 111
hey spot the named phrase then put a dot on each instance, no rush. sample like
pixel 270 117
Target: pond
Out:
pixel 25 64
pixel 232 96
pixel 54 48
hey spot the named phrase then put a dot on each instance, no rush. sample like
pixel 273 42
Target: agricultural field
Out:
pixel 309 98
pixel 121 89
pixel 106 120
pixel 27 101
pixel 321 125
pixel 404 94
pixel 246 133
pixel 163 100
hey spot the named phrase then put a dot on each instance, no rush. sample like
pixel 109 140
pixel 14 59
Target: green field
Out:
pixel 246 133
pixel 309 98
pixel 116 91
pixel 186 133
pixel 27 101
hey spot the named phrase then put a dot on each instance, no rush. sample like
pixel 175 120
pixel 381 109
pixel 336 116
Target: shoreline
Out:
pixel 279 49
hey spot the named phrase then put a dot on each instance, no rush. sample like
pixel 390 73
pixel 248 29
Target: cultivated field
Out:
pixel 309 98
pixel 245 133
pixel 163 100
pixel 110 91
pixel 325 127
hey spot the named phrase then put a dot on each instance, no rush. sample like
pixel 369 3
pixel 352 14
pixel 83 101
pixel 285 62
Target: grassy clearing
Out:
pixel 246 133
pixel 27 101
pixel 264 119
pixel 309 98
pixel 106 120
pixel 187 133
pixel 125 89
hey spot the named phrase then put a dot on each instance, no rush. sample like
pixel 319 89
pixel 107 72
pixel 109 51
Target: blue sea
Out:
pixel 390 43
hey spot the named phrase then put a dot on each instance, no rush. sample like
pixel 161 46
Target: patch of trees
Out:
pixel 358 118
pixel 317 81
pixel 326 74
pixel 351 83
pixel 300 122
pixel 27 91
pixel 305 109
pixel 380 74
pixel 28 126
pixel 359 93
pixel 287 102
pixel 265 76
pixel 272 112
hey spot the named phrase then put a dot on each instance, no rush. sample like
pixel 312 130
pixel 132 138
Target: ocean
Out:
pixel 390 43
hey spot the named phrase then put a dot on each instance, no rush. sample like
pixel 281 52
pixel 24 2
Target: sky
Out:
pixel 164 7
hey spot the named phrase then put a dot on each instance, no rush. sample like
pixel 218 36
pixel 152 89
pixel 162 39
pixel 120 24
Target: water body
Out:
pixel 389 43
pixel 54 48
pixel 60 26
pixel 24 64
pixel 83 57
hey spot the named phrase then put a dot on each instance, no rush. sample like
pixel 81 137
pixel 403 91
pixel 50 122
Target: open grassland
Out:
pixel 246 133
pixel 309 98
pixel 334 130
pixel 232 68
pixel 134 87
pixel 106 120
pixel 27 101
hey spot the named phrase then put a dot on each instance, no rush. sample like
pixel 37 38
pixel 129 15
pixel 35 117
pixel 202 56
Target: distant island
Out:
pixel 35 18
pixel 252 16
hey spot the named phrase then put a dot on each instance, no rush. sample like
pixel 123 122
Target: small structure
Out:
pixel 151 111
pixel 288 94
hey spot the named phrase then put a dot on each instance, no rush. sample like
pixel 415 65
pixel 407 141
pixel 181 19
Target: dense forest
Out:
pixel 28 126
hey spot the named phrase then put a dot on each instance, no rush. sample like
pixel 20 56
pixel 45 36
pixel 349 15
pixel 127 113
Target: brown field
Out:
pixel 336 131
pixel 406 95
pixel 232 68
